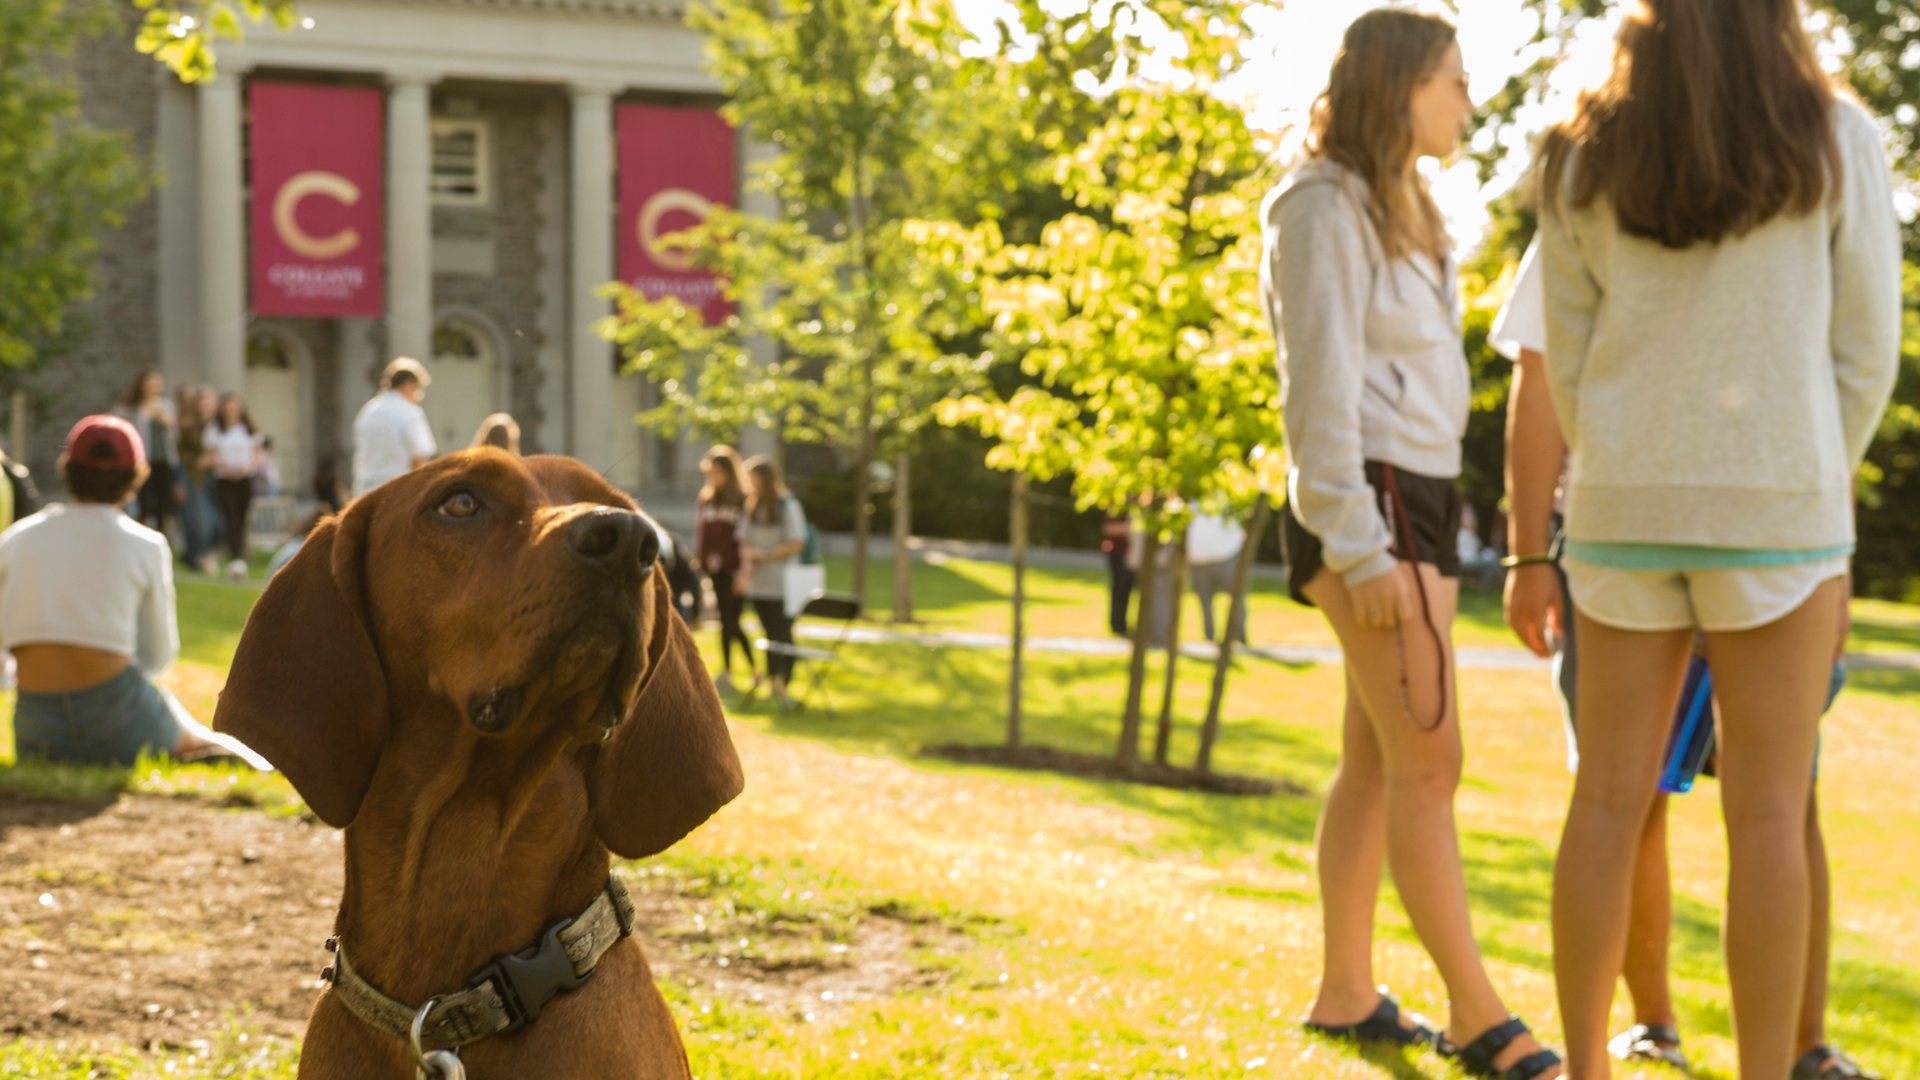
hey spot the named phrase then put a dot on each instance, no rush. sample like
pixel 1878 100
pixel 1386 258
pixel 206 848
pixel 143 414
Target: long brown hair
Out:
pixel 137 393
pixel 1361 121
pixel 1715 119
pixel 766 491
pixel 729 493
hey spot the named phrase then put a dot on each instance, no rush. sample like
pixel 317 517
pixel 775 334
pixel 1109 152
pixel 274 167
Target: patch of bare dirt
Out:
pixel 146 921
pixel 1103 767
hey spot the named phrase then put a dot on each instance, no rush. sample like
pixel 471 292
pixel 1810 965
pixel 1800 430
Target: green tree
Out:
pixel 860 102
pixel 62 181
pixel 184 34
pixel 1134 317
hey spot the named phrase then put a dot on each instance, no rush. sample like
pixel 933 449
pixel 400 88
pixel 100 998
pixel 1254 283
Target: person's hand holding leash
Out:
pixel 1383 602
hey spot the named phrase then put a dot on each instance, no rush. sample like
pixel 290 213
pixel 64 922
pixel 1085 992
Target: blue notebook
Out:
pixel 1690 745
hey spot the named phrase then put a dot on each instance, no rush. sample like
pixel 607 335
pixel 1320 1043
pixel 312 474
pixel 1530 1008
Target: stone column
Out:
pixel 764 350
pixel 410 215
pixel 591 209
pixel 178 284
pixel 223 264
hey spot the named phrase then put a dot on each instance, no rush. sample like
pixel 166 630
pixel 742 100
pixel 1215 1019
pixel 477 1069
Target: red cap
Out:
pixel 105 442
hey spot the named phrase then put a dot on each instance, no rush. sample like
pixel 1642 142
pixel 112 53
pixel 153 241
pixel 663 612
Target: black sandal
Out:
pixel 1476 1058
pixel 1826 1063
pixel 1650 1042
pixel 1382 1027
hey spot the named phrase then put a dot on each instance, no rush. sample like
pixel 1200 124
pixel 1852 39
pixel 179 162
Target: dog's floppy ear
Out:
pixel 307 689
pixel 671 763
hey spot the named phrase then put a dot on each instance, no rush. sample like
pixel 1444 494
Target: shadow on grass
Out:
pixel 1106 767
pixel 24 809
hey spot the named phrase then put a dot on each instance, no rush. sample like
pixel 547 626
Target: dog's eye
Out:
pixel 460 504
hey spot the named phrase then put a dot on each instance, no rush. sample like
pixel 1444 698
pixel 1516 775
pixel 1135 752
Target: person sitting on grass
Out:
pixel 86 609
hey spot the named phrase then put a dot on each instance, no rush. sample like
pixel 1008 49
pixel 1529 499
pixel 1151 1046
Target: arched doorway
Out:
pixel 276 366
pixel 466 380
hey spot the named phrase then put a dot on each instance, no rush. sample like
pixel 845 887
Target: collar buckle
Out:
pixel 527 980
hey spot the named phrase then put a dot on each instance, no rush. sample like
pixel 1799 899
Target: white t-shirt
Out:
pixel 388 435
pixel 87 574
pixel 1212 539
pixel 236 451
pixel 1522 322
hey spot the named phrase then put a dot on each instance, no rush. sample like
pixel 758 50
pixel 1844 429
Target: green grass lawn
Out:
pixel 1131 930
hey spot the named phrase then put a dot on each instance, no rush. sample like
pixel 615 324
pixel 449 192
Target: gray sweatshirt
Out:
pixel 1724 394
pixel 1371 364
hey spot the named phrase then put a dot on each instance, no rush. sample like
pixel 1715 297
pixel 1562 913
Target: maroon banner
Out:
pixel 676 165
pixel 317 164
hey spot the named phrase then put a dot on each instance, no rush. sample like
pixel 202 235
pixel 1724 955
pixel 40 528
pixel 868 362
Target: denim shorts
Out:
pixel 107 724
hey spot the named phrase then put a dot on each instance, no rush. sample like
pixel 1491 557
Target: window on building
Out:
pixel 461 157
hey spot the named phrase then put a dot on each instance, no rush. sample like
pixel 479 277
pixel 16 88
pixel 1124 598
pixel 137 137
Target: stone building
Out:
pixel 497 162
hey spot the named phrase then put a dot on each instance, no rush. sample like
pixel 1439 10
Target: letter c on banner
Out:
pixel 658 206
pixel 298 187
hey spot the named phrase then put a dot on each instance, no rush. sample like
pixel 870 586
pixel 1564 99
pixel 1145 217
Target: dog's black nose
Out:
pixel 615 537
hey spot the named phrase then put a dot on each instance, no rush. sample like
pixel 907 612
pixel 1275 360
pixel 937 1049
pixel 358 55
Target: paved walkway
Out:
pixel 1475 658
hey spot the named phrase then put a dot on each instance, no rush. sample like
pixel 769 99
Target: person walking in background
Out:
pixel 1116 543
pixel 1722 278
pixel 147 407
pixel 773 531
pixel 719 512
pixel 501 431
pixel 391 436
pixel 87 611
pixel 233 455
pixel 1213 554
pixel 199 512
pixel 1359 285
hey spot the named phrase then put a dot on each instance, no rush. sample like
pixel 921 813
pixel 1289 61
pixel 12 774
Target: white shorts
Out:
pixel 1720 601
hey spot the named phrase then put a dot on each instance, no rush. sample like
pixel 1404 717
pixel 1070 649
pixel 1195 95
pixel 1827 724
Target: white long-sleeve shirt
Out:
pixel 1371 362
pixel 1723 395
pixel 87 574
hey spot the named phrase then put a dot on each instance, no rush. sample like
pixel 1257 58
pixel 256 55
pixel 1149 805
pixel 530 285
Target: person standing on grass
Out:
pixel 1358 282
pixel 391 436
pixel 233 455
pixel 1213 553
pixel 1539 610
pixel 1722 276
pixel 199 513
pixel 1116 544
pixel 772 534
pixel 86 609
pixel 148 409
pixel 718 513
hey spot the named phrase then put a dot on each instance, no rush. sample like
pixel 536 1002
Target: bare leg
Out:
pixel 1650 924
pixel 1772 686
pixel 1351 849
pixel 1813 1003
pixel 1422 769
pixel 1628 684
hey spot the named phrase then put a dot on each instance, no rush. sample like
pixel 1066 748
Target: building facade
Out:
pixel 498 223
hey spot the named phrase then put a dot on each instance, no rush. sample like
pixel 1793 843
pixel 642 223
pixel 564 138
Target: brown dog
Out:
pixel 477 671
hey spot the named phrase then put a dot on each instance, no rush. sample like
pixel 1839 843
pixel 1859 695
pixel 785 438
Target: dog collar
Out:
pixel 508 992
